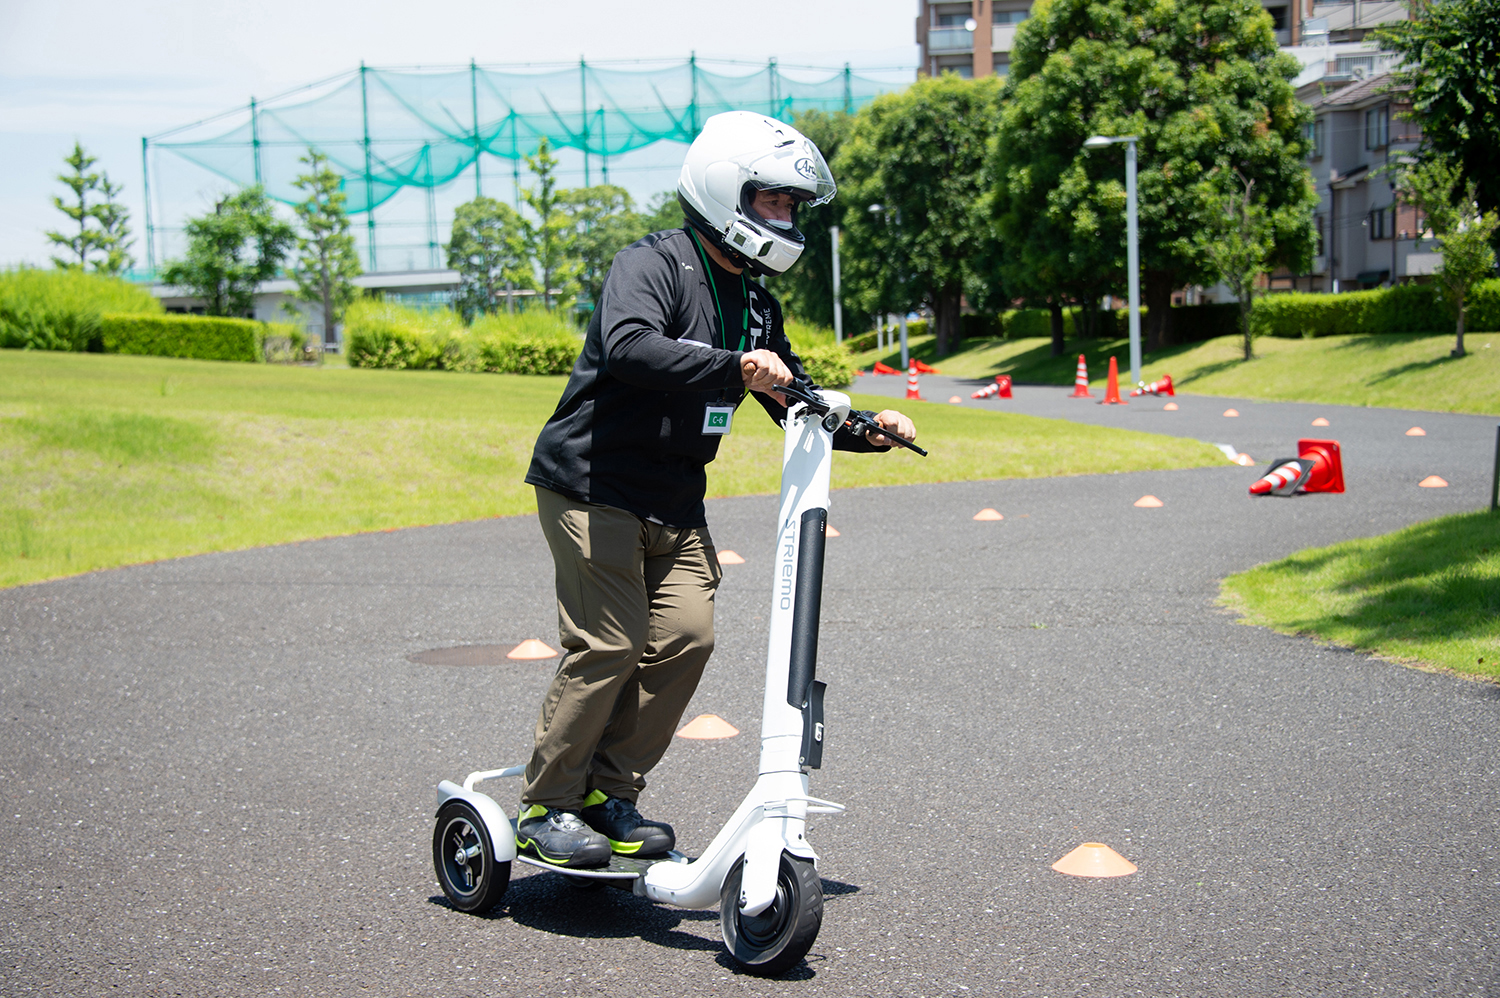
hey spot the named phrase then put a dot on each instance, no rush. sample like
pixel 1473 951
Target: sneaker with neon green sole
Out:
pixel 628 833
pixel 559 837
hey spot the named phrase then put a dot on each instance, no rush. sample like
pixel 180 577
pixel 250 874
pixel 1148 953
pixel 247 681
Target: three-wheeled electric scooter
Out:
pixel 760 868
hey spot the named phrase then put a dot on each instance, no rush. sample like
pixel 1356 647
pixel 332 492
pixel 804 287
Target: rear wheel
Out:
pixel 777 939
pixel 464 858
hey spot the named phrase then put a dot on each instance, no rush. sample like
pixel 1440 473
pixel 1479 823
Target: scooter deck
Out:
pixel 618 867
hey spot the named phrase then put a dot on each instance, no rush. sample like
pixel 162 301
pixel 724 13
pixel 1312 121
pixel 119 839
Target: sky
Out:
pixel 107 73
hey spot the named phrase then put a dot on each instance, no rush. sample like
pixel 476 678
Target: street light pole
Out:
pixel 1132 248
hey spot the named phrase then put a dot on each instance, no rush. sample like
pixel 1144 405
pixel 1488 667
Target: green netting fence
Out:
pixel 389 131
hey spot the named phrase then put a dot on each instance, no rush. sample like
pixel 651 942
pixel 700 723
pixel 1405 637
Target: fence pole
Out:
pixel 364 106
pixel 146 192
pixel 474 107
pixel 1495 485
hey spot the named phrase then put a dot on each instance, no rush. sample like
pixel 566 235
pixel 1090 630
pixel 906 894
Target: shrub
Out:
pixel 1483 308
pixel 386 335
pixel 829 365
pixel 284 343
pixel 1406 308
pixel 61 309
pixel 525 343
pixel 199 337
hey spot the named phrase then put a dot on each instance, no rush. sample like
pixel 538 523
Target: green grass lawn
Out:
pixel 1429 594
pixel 1403 372
pixel 112 460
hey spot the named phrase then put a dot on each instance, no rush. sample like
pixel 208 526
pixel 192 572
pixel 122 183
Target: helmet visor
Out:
pixel 798 168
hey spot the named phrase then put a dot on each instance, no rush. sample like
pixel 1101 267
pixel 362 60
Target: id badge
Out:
pixel 717 420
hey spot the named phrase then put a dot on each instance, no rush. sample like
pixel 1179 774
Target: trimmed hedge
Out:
pixel 61 309
pixel 385 335
pixel 198 337
pixel 1406 308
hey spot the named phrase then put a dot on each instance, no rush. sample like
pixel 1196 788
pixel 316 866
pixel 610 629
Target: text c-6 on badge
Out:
pixel 717 419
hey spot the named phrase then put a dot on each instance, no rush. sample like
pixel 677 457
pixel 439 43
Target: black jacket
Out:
pixel 628 431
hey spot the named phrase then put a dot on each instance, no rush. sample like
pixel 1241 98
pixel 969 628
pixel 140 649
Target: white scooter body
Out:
pixel 772 818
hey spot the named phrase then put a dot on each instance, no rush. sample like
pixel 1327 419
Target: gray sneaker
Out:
pixel 559 837
pixel 628 833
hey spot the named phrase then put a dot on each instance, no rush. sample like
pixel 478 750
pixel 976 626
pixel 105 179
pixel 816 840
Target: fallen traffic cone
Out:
pixel 923 368
pixel 912 392
pixel 1112 386
pixel 1094 859
pixel 1318 467
pixel 1002 382
pixel 986 392
pixel 529 649
pixel 708 726
pixel 988 514
pixel 884 368
pixel 1081 381
pixel 728 557
pixel 1162 387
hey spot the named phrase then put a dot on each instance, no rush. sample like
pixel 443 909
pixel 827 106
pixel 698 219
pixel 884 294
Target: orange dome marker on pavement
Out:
pixel 1244 460
pixel 1149 502
pixel 955 400
pixel 1320 421
pixel 1170 407
pixel 1416 431
pixel 1231 412
pixel 529 649
pixel 1094 859
pixel 1433 482
pixel 730 558
pixel 988 514
pixel 830 532
pixel 708 726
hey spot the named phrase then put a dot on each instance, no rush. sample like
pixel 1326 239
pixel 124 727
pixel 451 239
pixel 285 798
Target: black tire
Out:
pixel 777 939
pixel 464 858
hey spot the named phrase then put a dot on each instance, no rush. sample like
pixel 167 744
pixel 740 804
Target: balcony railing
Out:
pixel 950 40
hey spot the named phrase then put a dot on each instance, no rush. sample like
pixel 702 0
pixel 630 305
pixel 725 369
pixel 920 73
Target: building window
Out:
pixel 1382 225
pixel 950 20
pixel 1278 18
pixel 1377 128
pixel 1319 250
pixel 1314 132
pixel 1010 16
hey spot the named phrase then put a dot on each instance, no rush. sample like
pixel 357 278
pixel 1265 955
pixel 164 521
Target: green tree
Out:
pixel 1435 186
pixel 550 235
pixel 1451 63
pixel 102 246
pixel 806 290
pixel 604 222
pixel 1238 244
pixel 231 250
pixel 326 260
pixel 918 155
pixel 1202 84
pixel 663 212
pixel 488 249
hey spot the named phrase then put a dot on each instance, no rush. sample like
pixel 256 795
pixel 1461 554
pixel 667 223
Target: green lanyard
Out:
pixel 744 290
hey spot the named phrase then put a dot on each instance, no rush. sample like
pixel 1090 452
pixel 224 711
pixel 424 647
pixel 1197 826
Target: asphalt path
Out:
pixel 219 772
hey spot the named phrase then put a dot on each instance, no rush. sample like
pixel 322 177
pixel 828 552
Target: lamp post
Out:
pixel 1132 251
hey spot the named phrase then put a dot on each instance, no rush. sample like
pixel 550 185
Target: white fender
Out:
pixel 502 835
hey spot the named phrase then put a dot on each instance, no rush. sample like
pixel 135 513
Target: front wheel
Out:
pixel 464 858
pixel 774 941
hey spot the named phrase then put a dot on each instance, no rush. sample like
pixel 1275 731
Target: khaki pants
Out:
pixel 635 612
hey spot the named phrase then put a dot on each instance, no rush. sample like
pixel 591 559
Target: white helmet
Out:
pixel 737 154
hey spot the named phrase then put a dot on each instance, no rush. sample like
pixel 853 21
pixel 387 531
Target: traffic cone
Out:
pixel 1162 387
pixel 986 392
pixel 1094 859
pixel 530 649
pixel 1002 382
pixel 923 368
pixel 911 383
pixel 1081 381
pixel 1112 387
pixel 1318 467
pixel 884 368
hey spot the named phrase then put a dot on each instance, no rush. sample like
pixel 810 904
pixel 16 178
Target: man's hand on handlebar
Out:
pixel 763 371
pixel 898 424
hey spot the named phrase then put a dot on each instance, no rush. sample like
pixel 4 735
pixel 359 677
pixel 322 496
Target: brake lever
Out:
pixel 862 419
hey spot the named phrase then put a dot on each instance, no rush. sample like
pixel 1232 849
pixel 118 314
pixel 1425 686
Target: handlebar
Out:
pixel 859 420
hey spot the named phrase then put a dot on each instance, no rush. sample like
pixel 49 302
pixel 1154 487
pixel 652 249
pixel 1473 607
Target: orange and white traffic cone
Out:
pixel 1162 387
pixel 986 392
pixel 911 383
pixel 1112 387
pixel 1318 467
pixel 1081 381
pixel 1002 382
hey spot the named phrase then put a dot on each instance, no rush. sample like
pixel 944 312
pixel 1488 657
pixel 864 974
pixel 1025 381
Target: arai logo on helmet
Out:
pixel 805 167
